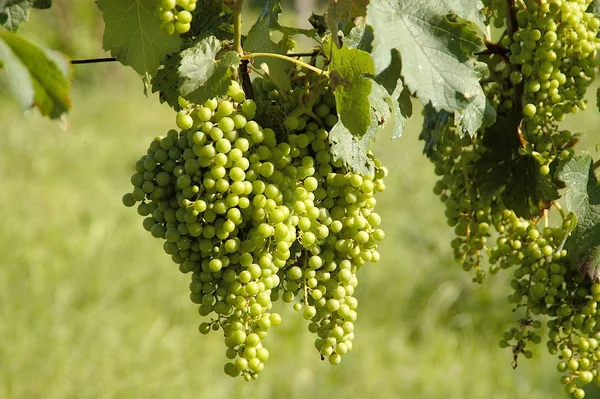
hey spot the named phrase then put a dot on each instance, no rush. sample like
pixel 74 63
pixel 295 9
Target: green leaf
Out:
pixel 339 11
pixel 133 35
pixel 210 19
pixel 582 196
pixel 594 8
pixel 598 98
pixel 351 150
pixel 36 77
pixel 259 41
pixel 436 49
pixel 42 4
pixel 479 113
pixel 360 37
pixel 390 78
pixel 204 75
pixel 13 13
pixel 347 70
pixel 506 169
pixel 434 124
pixel 166 81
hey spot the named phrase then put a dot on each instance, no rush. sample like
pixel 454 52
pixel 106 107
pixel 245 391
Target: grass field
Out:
pixel 91 307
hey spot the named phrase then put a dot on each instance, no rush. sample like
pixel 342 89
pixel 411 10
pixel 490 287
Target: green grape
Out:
pixel 251 215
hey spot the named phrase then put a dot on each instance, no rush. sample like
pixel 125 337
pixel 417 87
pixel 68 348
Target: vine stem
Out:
pixel 286 58
pixel 237 26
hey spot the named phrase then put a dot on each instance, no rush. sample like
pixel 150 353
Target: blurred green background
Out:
pixel 91 307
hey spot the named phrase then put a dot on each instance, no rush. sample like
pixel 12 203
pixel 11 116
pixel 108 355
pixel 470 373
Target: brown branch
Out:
pixel 93 60
pixel 493 48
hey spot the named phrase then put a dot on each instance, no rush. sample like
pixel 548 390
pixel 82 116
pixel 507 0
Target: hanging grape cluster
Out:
pixel 547 64
pixel 256 215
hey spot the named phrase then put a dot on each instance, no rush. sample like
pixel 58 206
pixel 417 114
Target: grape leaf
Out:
pixel 434 123
pixel 594 8
pixel 437 49
pixel 360 37
pixel 166 81
pixel 42 4
pixel 209 19
pixel 341 10
pixel 391 79
pixel 479 113
pixel 381 102
pixel 133 35
pixel 582 196
pixel 259 41
pixel 352 150
pixel 36 77
pixel 506 169
pixel 347 70
pixel 13 13
pixel 204 75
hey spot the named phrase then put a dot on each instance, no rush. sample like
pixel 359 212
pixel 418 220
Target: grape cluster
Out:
pixel 551 61
pixel 555 46
pixel 175 15
pixel 256 215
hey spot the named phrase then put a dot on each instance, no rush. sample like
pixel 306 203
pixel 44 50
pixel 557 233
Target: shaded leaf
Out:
pixel 133 35
pixel 582 196
pixel 259 41
pixel 434 124
pixel 594 8
pixel 209 19
pixel 166 81
pixel 479 113
pixel 203 75
pixel 36 77
pixel 507 170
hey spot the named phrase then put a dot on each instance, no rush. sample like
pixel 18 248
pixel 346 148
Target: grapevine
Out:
pixel 266 191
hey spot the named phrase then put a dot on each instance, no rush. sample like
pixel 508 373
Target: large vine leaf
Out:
pixel 352 150
pixel 582 196
pixel 133 35
pixel 436 49
pixel 259 41
pixel 204 75
pixel 347 74
pixel 36 77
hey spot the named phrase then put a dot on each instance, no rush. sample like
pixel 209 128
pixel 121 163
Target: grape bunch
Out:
pixel 175 15
pixel 256 215
pixel 555 47
pixel 549 62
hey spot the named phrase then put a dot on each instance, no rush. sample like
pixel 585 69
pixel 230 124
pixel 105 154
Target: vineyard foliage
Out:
pixel 266 191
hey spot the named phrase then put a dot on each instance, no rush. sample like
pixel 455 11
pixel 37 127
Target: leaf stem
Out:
pixel 560 210
pixel 286 58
